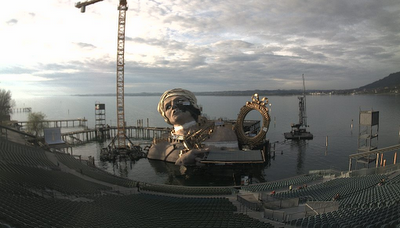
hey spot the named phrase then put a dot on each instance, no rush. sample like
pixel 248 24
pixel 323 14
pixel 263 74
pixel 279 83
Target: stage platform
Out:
pixel 233 157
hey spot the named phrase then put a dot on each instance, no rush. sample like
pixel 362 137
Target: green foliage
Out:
pixel 391 81
pixel 6 103
pixel 35 124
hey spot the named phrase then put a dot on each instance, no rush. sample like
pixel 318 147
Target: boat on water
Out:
pixel 299 131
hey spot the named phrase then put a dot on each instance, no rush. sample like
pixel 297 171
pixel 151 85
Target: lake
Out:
pixel 329 116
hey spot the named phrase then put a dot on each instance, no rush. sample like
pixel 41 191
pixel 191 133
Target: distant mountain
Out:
pixel 391 81
pixel 387 85
pixel 249 92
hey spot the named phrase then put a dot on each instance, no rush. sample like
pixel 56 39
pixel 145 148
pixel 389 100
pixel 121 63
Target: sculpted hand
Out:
pixel 192 157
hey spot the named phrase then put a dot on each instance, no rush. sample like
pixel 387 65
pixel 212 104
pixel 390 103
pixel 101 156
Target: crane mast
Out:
pixel 302 106
pixel 299 133
pixel 122 8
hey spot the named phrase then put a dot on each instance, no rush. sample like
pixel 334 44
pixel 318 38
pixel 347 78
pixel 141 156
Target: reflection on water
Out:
pixel 300 146
pixel 160 172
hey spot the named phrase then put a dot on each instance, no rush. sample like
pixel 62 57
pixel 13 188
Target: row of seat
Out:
pixel 139 210
pixel 327 190
pixel 15 153
pixel 348 218
pixel 28 200
pixel 285 183
pixel 184 190
pixel 50 182
pixel 364 202
pixel 73 163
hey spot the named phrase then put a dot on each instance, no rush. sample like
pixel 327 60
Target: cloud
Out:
pixel 21 78
pixel 85 45
pixel 12 22
pixel 201 45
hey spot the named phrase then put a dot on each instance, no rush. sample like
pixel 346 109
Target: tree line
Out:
pixel 35 125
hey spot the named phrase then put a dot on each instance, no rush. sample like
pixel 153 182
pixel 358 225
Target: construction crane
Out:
pixel 297 132
pixel 121 147
pixel 82 5
pixel 122 8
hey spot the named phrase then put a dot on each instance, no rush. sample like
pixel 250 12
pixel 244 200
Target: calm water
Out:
pixel 328 116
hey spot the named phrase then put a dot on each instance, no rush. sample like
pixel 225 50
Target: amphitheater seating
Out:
pixel 375 196
pixel 36 193
pixel 387 216
pixel 49 182
pixel 28 199
pixel 184 190
pixel 92 172
pixel 280 184
pixel 139 210
pixel 346 187
pixel 15 153
pixel 395 179
pixel 363 202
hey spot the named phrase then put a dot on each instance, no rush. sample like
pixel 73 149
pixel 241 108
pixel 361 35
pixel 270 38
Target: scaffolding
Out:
pixel 368 128
pixel 368 131
pixel 100 115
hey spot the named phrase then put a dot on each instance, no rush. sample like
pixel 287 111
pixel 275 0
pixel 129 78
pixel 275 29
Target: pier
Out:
pixel 26 109
pixel 132 132
pixel 374 155
pixel 59 123
pixel 109 132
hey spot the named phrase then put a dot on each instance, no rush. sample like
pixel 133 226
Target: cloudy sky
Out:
pixel 51 48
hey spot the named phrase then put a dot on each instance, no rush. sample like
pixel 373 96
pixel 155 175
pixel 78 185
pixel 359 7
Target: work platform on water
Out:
pixel 299 131
pixel 298 134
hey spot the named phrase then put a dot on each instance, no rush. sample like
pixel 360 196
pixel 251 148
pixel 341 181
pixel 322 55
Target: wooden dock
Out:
pixel 376 156
pixel 109 132
pixel 59 123
pixel 132 132
pixel 26 109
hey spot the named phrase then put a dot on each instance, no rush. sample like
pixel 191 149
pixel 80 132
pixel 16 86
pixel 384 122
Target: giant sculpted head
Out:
pixel 178 99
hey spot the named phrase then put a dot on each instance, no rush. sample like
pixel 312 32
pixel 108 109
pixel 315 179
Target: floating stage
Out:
pixel 235 157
